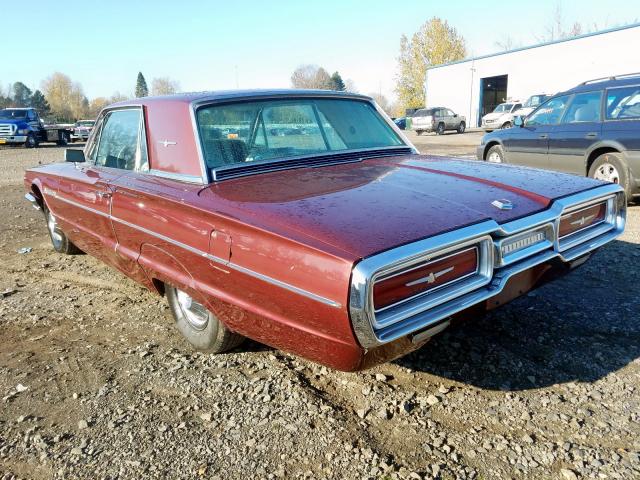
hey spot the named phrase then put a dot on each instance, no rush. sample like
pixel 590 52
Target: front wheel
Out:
pixel 418 132
pixel 610 167
pixel 461 127
pixel 440 129
pixel 199 326
pixel 495 154
pixel 506 125
pixel 59 240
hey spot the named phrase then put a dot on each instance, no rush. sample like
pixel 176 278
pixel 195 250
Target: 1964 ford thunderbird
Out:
pixel 307 221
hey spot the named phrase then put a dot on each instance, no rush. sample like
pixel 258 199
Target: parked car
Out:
pixel 81 130
pixel 437 119
pixel 530 105
pixel 501 117
pixel 592 129
pixel 401 122
pixel 23 126
pixel 346 247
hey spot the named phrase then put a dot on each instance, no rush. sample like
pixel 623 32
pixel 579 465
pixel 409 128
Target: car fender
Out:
pixel 611 144
pixel 490 143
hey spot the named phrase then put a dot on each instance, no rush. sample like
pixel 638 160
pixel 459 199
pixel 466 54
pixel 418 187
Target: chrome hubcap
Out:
pixel 494 158
pixel 56 238
pixel 608 173
pixel 193 312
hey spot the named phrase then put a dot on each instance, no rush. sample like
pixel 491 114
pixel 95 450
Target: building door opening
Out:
pixel 493 92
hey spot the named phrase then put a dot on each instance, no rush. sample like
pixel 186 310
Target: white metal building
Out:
pixel 475 86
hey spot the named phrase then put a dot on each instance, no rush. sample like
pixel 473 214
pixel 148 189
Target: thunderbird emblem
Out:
pixel 581 221
pixel 166 143
pixel 429 278
pixel 502 204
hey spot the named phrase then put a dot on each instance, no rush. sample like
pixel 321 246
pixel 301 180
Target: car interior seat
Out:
pixel 219 151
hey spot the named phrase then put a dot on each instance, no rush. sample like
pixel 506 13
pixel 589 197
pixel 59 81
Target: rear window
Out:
pixel 271 130
pixel 424 112
pixel 623 103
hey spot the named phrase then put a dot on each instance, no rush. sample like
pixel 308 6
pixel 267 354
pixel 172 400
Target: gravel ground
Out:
pixel 95 382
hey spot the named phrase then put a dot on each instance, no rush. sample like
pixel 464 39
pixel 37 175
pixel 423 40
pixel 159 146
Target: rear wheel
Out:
pixel 199 326
pixel 610 167
pixel 63 139
pixel 59 240
pixel 31 142
pixel 495 154
pixel 461 127
pixel 440 129
pixel 418 132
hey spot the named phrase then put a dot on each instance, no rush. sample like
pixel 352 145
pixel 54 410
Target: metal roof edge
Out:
pixel 537 45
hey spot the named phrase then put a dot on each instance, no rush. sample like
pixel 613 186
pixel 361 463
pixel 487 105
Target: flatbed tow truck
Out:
pixel 23 126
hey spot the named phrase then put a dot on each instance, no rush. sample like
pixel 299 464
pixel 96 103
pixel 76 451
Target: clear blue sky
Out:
pixel 201 43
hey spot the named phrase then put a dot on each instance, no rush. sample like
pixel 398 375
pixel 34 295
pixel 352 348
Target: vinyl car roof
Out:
pixel 212 96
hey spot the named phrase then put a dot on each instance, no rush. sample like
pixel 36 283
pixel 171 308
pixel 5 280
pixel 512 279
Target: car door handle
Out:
pixel 103 194
pixel 591 135
pixel 543 136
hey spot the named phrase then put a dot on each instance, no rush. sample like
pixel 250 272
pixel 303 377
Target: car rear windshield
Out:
pixel 424 112
pixel 272 130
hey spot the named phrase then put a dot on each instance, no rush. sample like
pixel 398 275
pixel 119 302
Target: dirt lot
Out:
pixel 96 383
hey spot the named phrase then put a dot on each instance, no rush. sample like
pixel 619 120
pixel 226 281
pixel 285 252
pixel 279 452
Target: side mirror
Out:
pixel 518 121
pixel 74 155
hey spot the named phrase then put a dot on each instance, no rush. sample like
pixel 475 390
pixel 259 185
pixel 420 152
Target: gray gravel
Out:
pixel 95 382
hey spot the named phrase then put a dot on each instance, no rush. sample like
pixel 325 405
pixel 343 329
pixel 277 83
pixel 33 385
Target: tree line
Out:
pixel 62 99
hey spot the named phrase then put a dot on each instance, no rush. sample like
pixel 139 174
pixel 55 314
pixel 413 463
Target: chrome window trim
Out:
pixel 417 318
pixel 181 177
pixel 226 263
pixel 196 104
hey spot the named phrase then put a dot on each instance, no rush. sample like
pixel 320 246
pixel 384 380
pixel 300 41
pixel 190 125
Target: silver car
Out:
pixel 501 117
pixel 437 119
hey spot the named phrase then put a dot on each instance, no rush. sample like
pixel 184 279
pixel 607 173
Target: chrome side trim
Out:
pixel 234 266
pixel 176 176
pixel 419 314
pixel 33 200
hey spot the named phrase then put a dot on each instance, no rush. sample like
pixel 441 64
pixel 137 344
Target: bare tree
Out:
pixel 556 30
pixel 507 43
pixel 311 76
pixel 164 86
pixel 66 98
pixel 350 86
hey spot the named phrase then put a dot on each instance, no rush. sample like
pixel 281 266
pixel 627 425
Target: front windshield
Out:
pixel 270 130
pixel 503 107
pixel 12 114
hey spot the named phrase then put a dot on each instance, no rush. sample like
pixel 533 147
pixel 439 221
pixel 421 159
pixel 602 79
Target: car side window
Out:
pixel 450 113
pixel 623 103
pixel 550 112
pixel 121 143
pixel 585 107
pixel 31 115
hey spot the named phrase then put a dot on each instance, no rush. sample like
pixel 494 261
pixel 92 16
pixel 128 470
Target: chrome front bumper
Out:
pixel 421 313
pixel 33 200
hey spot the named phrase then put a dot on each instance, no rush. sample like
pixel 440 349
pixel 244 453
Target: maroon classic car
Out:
pixel 307 221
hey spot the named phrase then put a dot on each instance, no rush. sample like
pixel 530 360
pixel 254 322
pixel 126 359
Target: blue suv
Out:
pixel 592 129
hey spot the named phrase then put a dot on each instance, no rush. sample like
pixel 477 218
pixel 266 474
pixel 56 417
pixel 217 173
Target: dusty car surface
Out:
pixel 334 240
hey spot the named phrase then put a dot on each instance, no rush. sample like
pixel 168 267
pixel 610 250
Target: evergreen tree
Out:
pixel 21 95
pixel 39 102
pixel 338 83
pixel 141 86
